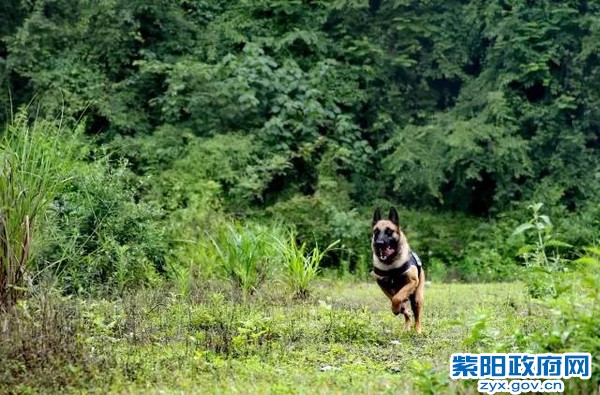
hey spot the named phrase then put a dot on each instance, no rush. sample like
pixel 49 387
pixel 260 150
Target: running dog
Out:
pixel 397 269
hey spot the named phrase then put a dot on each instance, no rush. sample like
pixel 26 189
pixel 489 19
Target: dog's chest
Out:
pixel 392 284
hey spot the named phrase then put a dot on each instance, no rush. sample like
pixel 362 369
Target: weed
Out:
pixel 245 254
pixel 541 276
pixel 301 268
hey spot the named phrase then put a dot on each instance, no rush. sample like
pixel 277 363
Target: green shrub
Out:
pixel 484 263
pixel 101 238
pixel 574 316
pixel 429 380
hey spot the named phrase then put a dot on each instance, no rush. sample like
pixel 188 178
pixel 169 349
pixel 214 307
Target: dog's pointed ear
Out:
pixel 376 216
pixel 393 216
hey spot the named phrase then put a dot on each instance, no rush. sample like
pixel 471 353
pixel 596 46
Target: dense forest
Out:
pixel 188 140
pixel 311 113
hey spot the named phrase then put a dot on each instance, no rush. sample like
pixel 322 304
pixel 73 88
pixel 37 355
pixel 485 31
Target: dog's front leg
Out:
pixel 402 295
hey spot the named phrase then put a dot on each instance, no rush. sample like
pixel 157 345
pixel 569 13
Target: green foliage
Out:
pixel 569 289
pixel 216 123
pixel 436 270
pixel 482 260
pixel 325 220
pixel 543 270
pixel 469 153
pixel 308 113
pixel 35 164
pixel 575 312
pixel 99 238
pixel 208 169
pixel 246 254
pixel 511 119
pixel 301 267
pixel 419 97
pixel 459 247
pixel 479 335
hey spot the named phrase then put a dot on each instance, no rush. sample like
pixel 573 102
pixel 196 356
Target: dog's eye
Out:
pixel 388 232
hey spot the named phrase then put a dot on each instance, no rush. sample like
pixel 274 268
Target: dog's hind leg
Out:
pixel 404 311
pixel 416 302
pixel 416 305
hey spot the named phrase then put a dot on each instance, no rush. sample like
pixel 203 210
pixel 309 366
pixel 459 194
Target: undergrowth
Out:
pixel 341 338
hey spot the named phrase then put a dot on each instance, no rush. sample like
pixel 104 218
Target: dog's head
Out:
pixel 386 236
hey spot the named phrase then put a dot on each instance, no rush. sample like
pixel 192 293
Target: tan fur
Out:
pixel 413 289
pixel 402 244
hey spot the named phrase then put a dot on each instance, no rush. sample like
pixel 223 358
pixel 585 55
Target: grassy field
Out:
pixel 342 339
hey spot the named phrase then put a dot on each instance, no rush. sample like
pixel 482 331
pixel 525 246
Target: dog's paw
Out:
pixel 398 307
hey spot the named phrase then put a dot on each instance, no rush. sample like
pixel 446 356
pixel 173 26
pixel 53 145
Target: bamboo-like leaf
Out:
pixel 522 228
pixel 593 250
pixel 586 260
pixel 546 219
pixel 557 243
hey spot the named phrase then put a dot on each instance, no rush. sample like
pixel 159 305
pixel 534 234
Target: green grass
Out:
pixel 245 254
pixel 301 267
pixel 342 339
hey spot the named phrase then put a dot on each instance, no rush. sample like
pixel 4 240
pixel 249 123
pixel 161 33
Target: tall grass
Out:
pixel 34 163
pixel 245 254
pixel 301 268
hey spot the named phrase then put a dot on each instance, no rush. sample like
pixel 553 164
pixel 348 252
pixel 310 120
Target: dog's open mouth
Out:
pixel 386 252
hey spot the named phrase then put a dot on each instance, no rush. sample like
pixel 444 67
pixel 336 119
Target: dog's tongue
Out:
pixel 386 253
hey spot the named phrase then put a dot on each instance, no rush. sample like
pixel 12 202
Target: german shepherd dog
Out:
pixel 397 269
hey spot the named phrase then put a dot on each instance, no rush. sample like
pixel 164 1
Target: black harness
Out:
pixel 395 276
